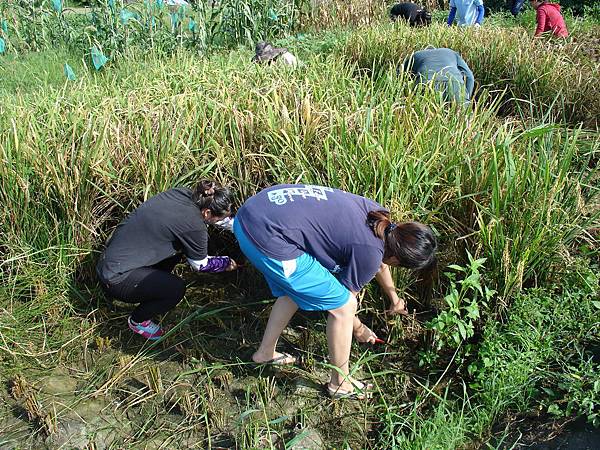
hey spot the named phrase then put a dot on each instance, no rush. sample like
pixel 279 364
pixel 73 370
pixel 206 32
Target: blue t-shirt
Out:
pixel 466 11
pixel 288 220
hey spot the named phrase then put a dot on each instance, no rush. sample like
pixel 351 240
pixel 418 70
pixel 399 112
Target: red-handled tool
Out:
pixel 379 341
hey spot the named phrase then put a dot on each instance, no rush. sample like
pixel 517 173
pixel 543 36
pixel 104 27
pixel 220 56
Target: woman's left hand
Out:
pixel 365 335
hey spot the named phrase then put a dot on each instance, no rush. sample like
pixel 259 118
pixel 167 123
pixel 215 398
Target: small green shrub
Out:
pixel 465 299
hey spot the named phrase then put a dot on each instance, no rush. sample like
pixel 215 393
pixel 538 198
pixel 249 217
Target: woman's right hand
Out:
pixel 232 266
pixel 398 308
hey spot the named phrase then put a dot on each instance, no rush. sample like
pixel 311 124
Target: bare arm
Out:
pixel 385 281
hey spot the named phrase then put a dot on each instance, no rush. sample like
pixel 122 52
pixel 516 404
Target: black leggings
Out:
pixel 155 288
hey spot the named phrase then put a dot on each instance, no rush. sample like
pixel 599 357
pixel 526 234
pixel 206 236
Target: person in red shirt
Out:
pixel 549 18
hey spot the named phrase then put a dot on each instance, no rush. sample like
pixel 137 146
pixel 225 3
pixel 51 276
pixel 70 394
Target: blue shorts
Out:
pixel 310 285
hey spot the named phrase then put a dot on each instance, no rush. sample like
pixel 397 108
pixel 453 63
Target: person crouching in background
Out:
pixel 415 15
pixel 446 69
pixel 549 18
pixel 266 53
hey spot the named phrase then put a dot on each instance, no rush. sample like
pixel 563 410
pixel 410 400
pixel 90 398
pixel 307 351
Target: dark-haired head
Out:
pixel 213 200
pixel 423 18
pixel 410 244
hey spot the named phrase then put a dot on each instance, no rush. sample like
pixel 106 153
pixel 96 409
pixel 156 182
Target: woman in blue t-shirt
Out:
pixel 317 248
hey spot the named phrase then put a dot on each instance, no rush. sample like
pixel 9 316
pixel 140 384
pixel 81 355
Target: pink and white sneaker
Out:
pixel 147 329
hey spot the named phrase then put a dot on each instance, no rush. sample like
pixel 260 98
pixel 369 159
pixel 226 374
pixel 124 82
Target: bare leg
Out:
pixel 339 339
pixel 281 313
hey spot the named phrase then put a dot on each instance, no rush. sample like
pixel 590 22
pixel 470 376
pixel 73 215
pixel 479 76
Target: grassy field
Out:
pixel 510 186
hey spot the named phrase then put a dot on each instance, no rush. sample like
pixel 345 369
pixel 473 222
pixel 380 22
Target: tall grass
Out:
pixel 78 158
pixel 536 78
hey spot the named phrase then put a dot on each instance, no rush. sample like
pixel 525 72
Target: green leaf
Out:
pixel 463 331
pixel 596 304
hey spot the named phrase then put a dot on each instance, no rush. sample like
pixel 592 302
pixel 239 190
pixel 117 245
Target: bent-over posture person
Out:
pixel 516 6
pixel 266 53
pixel 466 12
pixel 144 249
pixel 446 69
pixel 549 18
pixel 317 248
pixel 415 15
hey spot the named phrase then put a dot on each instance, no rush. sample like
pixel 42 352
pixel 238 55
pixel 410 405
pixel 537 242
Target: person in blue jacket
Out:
pixel 446 69
pixel 466 12
pixel 318 247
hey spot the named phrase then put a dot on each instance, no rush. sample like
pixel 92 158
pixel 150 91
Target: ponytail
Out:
pixel 211 195
pixel 378 222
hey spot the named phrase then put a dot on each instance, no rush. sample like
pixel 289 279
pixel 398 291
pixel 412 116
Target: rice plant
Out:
pixel 503 180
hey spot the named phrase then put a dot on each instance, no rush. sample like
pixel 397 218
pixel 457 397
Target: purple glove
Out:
pixel 216 264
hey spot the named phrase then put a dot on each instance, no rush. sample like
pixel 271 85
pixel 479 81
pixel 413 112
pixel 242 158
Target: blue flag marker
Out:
pixel 5 25
pixel 125 16
pixel 98 58
pixel 57 5
pixel 111 4
pixel 159 3
pixel 174 20
pixel 272 14
pixel 192 26
pixel 70 73
pixel 2 46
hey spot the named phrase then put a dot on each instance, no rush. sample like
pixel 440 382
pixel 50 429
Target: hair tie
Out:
pixel 391 227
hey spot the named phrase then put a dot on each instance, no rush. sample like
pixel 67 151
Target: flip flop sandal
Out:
pixel 356 394
pixel 279 361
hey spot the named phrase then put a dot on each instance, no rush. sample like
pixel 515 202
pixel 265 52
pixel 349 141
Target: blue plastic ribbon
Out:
pixel 70 73
pixel 98 58
pixel 57 5
pixel 174 20
pixel 126 15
